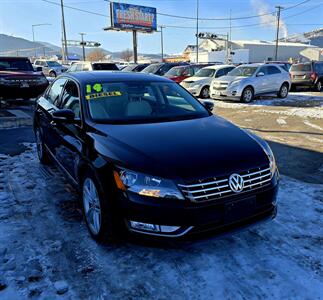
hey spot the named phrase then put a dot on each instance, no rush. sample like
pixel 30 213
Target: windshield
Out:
pixel 141 102
pixel 12 64
pixel 177 71
pixel 151 68
pixel 205 73
pixel 301 67
pixel 243 71
pixel 129 68
pixel 53 64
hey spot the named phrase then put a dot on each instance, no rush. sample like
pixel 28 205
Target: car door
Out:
pixel 275 79
pixel 261 83
pixel 69 148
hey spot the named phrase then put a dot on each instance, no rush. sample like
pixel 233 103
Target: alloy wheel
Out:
pixel 247 95
pixel 284 91
pixel 92 207
pixel 205 93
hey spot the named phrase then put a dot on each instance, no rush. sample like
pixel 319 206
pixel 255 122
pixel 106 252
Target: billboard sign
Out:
pixel 133 17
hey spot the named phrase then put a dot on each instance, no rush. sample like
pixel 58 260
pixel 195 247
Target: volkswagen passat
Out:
pixel 150 158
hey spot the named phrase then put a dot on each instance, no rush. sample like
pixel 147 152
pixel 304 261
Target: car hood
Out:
pixel 229 78
pixel 198 80
pixel 181 150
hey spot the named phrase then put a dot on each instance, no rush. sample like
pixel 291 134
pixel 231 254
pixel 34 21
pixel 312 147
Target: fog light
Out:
pixel 144 226
pixel 234 93
pixel 168 228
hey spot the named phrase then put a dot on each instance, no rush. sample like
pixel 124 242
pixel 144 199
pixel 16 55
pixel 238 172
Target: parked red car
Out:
pixel 179 73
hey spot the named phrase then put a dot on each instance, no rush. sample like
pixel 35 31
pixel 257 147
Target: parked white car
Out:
pixel 199 84
pixel 246 82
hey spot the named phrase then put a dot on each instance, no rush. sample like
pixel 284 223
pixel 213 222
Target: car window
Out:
pixel 219 73
pixel 86 67
pixel 318 67
pixel 71 98
pixel 263 70
pixel 106 67
pixel 72 68
pixel 55 91
pixel 272 70
pixel 79 67
pixel 301 67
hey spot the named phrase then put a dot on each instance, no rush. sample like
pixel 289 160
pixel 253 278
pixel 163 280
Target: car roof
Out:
pixel 215 67
pixel 113 76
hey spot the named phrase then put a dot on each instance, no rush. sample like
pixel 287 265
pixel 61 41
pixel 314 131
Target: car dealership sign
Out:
pixel 133 17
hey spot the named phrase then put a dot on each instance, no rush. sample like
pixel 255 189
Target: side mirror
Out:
pixel 63 116
pixel 39 69
pixel 209 105
pixel 260 74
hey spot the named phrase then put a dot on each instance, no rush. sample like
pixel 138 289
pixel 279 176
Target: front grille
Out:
pixel 27 80
pixel 217 188
pixel 220 85
pixel 186 84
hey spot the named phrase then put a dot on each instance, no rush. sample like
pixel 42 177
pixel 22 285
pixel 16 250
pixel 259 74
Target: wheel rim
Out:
pixel 247 96
pixel 319 86
pixel 39 144
pixel 91 204
pixel 284 91
pixel 51 74
pixel 205 92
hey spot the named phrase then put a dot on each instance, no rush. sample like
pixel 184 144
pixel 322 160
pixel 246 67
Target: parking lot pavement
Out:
pixel 45 248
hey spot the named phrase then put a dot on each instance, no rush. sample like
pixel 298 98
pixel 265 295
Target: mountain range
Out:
pixel 12 46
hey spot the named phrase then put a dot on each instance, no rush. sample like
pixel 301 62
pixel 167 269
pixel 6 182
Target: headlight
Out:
pixel 146 185
pixel 234 83
pixel 267 150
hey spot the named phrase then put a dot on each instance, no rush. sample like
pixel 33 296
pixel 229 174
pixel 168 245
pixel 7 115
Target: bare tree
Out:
pixel 126 55
pixel 96 55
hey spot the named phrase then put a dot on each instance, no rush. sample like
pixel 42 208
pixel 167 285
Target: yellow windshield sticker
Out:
pixel 97 87
pixel 103 95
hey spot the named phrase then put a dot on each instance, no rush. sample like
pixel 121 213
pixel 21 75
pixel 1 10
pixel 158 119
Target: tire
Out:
pixel 318 86
pixel 283 91
pixel 247 95
pixel 42 153
pixel 205 92
pixel 100 215
pixel 52 74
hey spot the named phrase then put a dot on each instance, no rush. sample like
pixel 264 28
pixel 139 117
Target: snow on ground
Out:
pixel 45 248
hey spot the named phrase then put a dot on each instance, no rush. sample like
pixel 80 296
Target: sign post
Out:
pixel 133 18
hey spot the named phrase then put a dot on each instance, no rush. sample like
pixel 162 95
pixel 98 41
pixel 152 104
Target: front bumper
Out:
pixel 195 91
pixel 15 91
pixel 190 218
pixel 226 94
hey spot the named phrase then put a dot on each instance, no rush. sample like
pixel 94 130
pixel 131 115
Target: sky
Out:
pixel 18 16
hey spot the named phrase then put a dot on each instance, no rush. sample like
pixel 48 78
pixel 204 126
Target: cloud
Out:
pixel 261 7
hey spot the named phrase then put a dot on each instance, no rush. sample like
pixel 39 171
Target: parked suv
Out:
pixel 93 66
pixel 199 84
pixel 248 81
pixel 150 159
pixel 179 73
pixel 308 75
pixel 18 79
pixel 50 68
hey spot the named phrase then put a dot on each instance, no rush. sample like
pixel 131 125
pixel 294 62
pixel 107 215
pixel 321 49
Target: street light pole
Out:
pixel 83 44
pixel 279 8
pixel 197 31
pixel 33 30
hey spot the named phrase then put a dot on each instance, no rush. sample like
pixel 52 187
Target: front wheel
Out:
pixel 98 211
pixel 247 95
pixel 52 74
pixel 318 86
pixel 283 91
pixel 205 92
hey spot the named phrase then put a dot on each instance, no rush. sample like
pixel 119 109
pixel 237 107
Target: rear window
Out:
pixel 12 64
pixel 301 67
pixel 105 67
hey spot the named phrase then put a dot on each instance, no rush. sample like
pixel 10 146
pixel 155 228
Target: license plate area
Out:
pixel 235 211
pixel 24 85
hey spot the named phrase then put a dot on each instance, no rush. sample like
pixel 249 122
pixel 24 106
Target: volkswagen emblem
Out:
pixel 236 183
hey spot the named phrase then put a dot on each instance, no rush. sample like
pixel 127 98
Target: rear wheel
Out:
pixel 98 211
pixel 283 91
pixel 247 95
pixel 41 150
pixel 205 92
pixel 52 74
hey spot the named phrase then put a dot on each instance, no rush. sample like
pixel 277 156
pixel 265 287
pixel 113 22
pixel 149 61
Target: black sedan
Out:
pixel 150 159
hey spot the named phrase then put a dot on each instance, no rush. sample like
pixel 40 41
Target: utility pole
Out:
pixel 197 31
pixel 162 42
pixel 83 44
pixel 64 43
pixel 135 47
pixel 279 8
pixel 33 30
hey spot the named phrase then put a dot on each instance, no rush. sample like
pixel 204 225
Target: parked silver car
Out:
pixel 50 68
pixel 246 82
